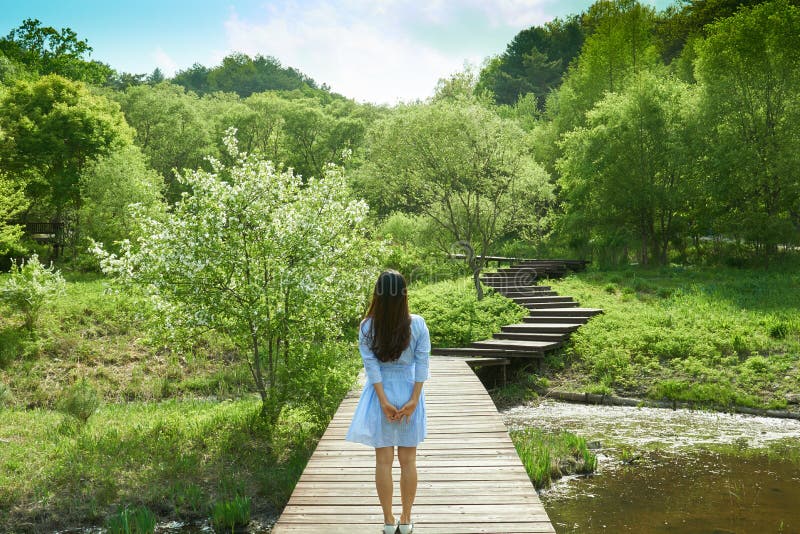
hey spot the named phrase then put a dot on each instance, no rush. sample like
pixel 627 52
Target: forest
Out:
pixel 636 135
pixel 184 260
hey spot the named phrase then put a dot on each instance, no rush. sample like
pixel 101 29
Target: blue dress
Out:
pixel 369 425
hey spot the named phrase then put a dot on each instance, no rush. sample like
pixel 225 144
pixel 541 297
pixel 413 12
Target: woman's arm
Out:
pixel 372 368
pixel 422 354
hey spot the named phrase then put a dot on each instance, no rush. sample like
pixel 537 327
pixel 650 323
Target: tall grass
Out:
pixel 137 520
pixel 548 457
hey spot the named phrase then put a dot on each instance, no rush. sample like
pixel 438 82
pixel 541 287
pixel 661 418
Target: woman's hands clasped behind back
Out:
pixel 394 415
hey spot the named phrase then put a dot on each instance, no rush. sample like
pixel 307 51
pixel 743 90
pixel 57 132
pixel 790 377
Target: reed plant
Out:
pixel 550 456
pixel 136 520
pixel 228 515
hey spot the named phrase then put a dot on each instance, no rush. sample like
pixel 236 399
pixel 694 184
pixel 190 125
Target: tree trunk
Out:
pixel 474 264
pixel 476 279
pixel 255 369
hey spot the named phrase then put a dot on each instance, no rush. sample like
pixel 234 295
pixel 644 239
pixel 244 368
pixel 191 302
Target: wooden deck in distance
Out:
pixel 470 477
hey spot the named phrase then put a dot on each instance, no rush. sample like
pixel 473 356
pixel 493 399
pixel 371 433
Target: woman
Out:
pixel 395 346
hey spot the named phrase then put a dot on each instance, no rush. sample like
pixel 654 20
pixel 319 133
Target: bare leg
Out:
pixel 408 480
pixel 384 457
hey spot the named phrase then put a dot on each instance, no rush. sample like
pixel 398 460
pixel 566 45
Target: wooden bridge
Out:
pixel 470 476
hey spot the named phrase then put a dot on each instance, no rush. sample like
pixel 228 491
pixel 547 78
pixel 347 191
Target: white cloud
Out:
pixel 516 13
pixel 364 50
pixel 164 62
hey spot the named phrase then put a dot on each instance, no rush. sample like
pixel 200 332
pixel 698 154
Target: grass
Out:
pixel 175 457
pixel 548 457
pixel 714 336
pixel 97 418
pixel 101 337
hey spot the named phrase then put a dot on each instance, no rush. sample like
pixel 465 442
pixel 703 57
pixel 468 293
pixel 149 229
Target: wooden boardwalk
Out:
pixel 470 476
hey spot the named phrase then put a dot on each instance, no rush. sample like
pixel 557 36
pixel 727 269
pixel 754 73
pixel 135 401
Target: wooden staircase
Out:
pixel 551 320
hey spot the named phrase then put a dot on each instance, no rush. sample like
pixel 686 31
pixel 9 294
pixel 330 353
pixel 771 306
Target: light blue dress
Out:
pixel 369 425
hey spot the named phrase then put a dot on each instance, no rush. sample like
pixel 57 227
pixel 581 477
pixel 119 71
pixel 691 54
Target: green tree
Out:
pixel 459 85
pixel 460 165
pixel 243 75
pixel 534 61
pixel 291 129
pixel 677 25
pixel 109 185
pixel 120 81
pixel 52 128
pixel 12 204
pixel 155 77
pixel 50 51
pixel 170 129
pixel 749 74
pixel 628 175
pixel 276 265
pixel 195 79
pixel 619 46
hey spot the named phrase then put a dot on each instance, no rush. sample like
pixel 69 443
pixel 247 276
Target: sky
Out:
pixel 380 51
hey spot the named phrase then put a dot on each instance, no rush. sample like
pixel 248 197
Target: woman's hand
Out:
pixel 389 411
pixel 407 410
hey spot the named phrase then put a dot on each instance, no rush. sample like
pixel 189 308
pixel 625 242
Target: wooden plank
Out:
pixel 430 528
pixel 471 479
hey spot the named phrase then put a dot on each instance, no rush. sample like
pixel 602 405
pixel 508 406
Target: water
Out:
pixel 664 471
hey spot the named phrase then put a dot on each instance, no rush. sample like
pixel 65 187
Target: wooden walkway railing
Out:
pixel 470 476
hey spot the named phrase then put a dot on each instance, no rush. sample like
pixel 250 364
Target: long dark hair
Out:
pixel 390 330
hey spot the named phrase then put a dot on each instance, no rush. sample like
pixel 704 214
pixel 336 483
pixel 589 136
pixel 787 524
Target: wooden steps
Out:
pixel 555 319
pixel 566 312
pixel 560 328
pixel 475 352
pixel 552 318
pixel 529 336
pixel 545 305
pixel 542 300
pixel 516 344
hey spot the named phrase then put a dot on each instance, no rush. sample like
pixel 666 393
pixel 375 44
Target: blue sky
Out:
pixel 381 51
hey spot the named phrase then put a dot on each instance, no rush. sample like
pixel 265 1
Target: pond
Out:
pixel 670 471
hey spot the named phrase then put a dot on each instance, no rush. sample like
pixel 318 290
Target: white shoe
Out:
pixel 406 529
pixel 391 529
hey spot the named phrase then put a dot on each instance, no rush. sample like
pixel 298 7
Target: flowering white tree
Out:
pixel 253 253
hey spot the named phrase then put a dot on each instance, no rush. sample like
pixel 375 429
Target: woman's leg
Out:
pixel 384 457
pixel 408 480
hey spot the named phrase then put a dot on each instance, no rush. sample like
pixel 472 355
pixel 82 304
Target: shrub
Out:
pixel 454 315
pixel 227 515
pixel 80 400
pixel 138 520
pixel 307 239
pixel 30 287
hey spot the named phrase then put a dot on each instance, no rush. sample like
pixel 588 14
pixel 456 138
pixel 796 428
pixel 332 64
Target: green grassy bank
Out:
pixel 715 336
